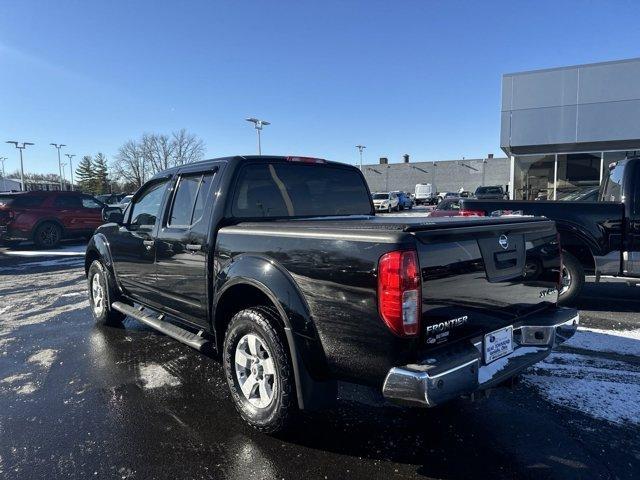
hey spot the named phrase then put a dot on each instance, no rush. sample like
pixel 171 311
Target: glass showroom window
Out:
pixel 578 173
pixel 533 177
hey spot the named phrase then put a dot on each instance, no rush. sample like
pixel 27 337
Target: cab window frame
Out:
pixel 131 205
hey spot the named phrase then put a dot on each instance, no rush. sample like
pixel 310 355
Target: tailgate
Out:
pixel 480 276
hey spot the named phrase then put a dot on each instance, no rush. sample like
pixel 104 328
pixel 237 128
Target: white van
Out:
pixel 424 194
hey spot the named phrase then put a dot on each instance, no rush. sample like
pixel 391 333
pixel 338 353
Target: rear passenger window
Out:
pixel 67 201
pixel 189 200
pixel 26 201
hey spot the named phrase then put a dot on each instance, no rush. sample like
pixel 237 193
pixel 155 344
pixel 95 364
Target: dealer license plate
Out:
pixel 497 344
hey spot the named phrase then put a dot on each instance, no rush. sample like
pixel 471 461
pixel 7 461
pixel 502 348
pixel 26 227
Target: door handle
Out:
pixel 194 247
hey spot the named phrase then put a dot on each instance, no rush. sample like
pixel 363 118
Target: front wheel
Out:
pixel 572 279
pixel 258 370
pixel 101 294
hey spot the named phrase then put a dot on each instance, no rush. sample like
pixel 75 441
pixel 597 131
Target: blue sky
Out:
pixel 417 77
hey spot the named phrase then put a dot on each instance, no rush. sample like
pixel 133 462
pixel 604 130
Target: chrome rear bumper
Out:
pixel 460 369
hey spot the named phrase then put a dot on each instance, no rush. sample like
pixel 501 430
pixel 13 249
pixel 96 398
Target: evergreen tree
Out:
pixel 85 175
pixel 100 174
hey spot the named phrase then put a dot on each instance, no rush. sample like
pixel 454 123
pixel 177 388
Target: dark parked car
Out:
pixel 449 207
pixel 48 217
pixel 490 193
pixel 280 265
pixel 599 238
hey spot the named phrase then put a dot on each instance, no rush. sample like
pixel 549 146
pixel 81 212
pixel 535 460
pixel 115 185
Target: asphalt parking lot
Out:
pixel 82 401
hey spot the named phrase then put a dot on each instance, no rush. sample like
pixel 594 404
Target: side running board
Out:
pixel 169 329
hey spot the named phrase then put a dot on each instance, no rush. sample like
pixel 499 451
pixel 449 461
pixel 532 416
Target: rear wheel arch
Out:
pixel 577 244
pixel 239 295
pixel 244 293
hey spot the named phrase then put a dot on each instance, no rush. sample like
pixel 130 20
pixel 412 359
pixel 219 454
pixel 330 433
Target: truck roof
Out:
pixel 252 158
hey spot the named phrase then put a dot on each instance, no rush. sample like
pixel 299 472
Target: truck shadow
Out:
pixel 609 297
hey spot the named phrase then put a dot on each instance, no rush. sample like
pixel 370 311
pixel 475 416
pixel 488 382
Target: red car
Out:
pixel 47 217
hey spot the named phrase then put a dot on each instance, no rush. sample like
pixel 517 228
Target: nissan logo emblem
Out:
pixel 503 241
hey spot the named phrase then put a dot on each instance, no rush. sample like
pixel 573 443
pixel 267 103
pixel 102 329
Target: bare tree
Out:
pixel 187 147
pixel 129 165
pixel 156 152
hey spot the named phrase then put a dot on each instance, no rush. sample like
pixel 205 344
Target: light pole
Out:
pixel 258 124
pixel 59 166
pixel 62 165
pixel 360 149
pixel 20 146
pixel 70 157
pixel 4 181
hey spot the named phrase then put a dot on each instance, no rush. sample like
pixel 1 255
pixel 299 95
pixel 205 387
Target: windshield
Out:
pixel 127 199
pixel 299 190
pixel 381 196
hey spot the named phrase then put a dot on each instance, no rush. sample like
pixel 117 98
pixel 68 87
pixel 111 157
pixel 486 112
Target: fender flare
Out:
pixel 99 245
pixel 277 284
pixel 576 231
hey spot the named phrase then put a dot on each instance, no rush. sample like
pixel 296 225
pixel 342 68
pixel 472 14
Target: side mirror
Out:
pixel 112 215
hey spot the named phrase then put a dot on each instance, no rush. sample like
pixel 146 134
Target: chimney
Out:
pixel 490 156
pixel 406 158
pixel 384 160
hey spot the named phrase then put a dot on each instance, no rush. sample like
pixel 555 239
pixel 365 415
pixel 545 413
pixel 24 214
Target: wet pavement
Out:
pixel 82 401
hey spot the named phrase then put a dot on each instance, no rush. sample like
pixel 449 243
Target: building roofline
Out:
pixel 556 69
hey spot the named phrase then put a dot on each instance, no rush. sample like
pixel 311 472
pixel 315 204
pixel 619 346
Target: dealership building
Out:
pixel 560 130
pixel 562 127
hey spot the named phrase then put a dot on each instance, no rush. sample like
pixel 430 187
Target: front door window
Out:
pixel 145 211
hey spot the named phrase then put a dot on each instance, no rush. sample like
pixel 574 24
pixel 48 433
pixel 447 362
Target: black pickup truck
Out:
pixel 280 266
pixel 598 238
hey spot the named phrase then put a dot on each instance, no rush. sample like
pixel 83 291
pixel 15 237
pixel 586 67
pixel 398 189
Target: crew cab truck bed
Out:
pixel 296 291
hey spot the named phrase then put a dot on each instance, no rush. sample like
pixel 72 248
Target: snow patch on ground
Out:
pixel 27 389
pixel 44 358
pixel 40 296
pixel 155 376
pixel 601 388
pixel 625 342
pixel 18 377
pixel 70 250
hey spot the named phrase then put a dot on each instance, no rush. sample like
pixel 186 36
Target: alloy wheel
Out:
pixel 97 293
pixel 255 371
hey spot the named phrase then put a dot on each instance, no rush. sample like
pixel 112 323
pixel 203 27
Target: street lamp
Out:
pixel 62 165
pixel 59 166
pixel 360 149
pixel 4 181
pixel 258 124
pixel 20 146
pixel 70 157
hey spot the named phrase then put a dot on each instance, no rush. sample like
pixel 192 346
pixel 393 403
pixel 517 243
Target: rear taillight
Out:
pixel 399 292
pixel 472 213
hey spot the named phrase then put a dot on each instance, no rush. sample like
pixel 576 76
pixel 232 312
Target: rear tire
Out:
pixel 258 369
pixel 102 293
pixel 572 278
pixel 47 235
